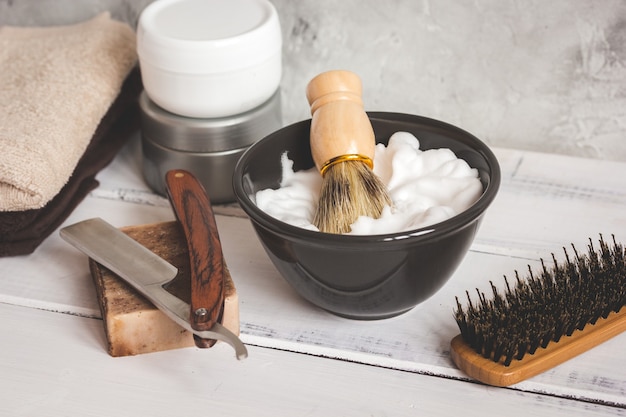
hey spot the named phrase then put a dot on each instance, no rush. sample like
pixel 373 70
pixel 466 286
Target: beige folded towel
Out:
pixel 56 84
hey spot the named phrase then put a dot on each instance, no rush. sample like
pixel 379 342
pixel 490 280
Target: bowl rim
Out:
pixel 427 233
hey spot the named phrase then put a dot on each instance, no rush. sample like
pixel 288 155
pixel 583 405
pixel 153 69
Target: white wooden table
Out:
pixel 304 361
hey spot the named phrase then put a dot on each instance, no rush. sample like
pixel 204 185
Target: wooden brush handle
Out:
pixel 496 374
pixel 193 210
pixel 339 123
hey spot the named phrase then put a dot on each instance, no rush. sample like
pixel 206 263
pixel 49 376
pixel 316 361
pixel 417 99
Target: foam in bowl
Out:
pixel 426 186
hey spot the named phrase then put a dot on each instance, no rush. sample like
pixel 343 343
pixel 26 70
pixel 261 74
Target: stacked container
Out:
pixel 211 71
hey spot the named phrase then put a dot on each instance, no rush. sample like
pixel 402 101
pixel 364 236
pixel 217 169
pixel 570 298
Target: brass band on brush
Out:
pixel 349 157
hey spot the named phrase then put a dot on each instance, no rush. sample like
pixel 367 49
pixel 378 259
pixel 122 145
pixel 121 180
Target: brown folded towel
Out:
pixel 56 84
pixel 21 232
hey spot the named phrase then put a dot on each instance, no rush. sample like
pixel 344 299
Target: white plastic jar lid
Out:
pixel 208 36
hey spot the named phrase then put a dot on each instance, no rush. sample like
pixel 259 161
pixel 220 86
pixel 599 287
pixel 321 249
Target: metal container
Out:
pixel 208 148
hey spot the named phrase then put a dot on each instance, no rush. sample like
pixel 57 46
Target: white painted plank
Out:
pixel 56 276
pixel 549 201
pixel 537 211
pixel 59 368
pixel 273 315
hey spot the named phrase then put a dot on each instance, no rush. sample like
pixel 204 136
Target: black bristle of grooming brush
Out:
pixel 545 305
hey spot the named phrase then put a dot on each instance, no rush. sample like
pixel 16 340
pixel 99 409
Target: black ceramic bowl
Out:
pixel 374 276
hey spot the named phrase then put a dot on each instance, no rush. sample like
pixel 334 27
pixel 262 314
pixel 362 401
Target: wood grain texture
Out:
pixel 495 373
pixel 339 123
pixel 545 202
pixel 72 376
pixel 194 212
pixel 132 324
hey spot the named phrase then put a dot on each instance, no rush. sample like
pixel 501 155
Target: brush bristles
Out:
pixel 349 189
pixel 545 306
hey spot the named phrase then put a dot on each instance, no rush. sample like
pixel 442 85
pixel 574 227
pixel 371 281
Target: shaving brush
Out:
pixel 342 145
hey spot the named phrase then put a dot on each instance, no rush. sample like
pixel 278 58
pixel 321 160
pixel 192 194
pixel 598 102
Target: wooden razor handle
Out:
pixel 195 214
pixel 339 123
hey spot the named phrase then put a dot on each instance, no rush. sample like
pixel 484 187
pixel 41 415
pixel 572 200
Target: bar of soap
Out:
pixel 133 325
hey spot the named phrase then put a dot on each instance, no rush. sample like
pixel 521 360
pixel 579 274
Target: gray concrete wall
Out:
pixel 528 74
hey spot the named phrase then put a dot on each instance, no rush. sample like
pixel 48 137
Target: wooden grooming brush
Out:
pixel 342 146
pixel 543 320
